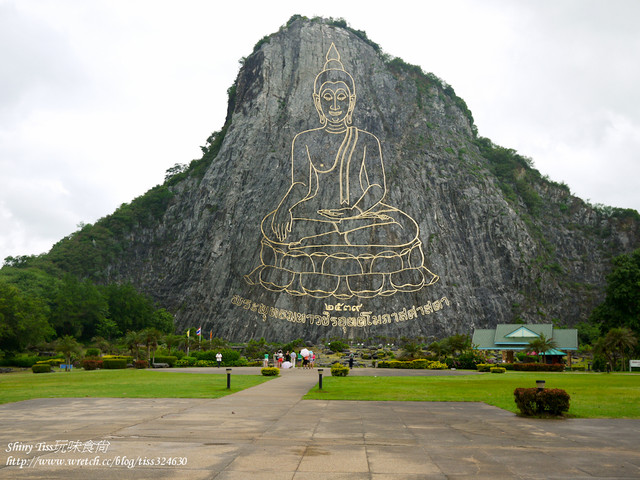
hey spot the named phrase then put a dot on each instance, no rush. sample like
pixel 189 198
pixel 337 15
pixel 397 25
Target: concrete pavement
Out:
pixel 269 433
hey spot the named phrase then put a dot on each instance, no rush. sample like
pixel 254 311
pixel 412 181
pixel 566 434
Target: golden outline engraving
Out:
pixel 344 246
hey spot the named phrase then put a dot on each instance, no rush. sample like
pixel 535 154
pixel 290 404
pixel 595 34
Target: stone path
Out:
pixel 269 433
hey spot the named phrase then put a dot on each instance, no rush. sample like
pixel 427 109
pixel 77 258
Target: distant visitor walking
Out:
pixel 219 359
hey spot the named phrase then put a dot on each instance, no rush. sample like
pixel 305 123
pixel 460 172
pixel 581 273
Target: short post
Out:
pixel 320 370
pixel 540 385
pixel 228 378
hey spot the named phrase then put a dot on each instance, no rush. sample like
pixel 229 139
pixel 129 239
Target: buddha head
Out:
pixel 334 92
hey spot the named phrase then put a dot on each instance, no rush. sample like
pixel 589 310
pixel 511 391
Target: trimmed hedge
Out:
pixel 548 401
pixel 270 371
pixel 497 370
pixel 140 364
pixel 414 364
pixel 41 368
pixel 114 363
pixel 338 370
pixel 538 367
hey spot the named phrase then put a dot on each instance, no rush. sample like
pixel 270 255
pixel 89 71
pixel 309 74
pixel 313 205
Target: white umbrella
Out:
pixel 304 352
pixel 286 365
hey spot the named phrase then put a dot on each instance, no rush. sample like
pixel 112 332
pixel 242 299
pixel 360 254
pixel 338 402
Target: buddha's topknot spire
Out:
pixel 333 59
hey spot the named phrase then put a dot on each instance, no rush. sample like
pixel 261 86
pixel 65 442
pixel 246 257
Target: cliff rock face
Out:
pixel 400 226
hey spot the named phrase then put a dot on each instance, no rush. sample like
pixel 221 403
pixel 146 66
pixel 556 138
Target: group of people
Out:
pixel 304 358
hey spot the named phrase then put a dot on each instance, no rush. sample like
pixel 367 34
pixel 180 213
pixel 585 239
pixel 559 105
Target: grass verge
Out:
pixel 129 383
pixel 592 395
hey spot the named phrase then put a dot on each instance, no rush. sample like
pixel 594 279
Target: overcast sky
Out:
pixel 99 98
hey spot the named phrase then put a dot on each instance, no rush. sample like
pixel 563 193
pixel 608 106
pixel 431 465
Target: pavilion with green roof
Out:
pixel 510 338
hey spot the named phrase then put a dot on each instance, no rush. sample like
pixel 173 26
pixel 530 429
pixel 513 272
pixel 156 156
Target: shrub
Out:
pixel 418 364
pixel 169 359
pixel 538 367
pixel 41 368
pixel 338 370
pixel 338 346
pixel 141 364
pixel 497 369
pixel 128 359
pixel 91 363
pixel 21 361
pixel 548 401
pixel 92 352
pixel 270 371
pixel 114 363
pixel 484 367
pixel 205 363
pixel 54 362
pixel 187 362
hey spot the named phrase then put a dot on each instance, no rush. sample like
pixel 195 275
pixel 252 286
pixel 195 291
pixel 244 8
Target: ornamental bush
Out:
pixel 140 364
pixel 484 367
pixel 548 401
pixel 270 371
pixel 497 369
pixel 41 368
pixel 91 363
pixel 114 363
pixel 338 370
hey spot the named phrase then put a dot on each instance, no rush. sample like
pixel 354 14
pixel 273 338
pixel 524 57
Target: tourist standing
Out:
pixel 293 358
pixel 219 359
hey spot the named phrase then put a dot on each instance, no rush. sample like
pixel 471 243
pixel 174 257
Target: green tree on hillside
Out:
pixel 78 308
pixel 23 320
pixel 621 307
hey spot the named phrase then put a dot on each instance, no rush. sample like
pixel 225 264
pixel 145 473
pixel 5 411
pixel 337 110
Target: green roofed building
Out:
pixel 511 338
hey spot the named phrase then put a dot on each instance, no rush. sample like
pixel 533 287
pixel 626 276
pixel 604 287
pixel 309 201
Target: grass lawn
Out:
pixel 129 383
pixel 592 395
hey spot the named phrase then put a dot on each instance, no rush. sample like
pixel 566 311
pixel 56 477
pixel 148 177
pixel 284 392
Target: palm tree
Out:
pixel 67 345
pixel 438 348
pixel 171 340
pixel 619 341
pixel 132 341
pixel 542 345
pixel 150 337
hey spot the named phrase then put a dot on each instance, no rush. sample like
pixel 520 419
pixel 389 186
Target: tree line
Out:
pixel 37 306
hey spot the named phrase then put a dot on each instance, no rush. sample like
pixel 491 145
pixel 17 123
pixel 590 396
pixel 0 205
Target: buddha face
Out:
pixel 334 102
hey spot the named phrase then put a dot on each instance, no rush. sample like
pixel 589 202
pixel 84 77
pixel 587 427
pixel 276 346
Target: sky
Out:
pixel 99 98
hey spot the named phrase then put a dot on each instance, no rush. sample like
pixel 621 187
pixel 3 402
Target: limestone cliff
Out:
pixel 501 248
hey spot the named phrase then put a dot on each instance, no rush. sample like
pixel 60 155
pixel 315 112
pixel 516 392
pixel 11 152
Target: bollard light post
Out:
pixel 540 385
pixel 320 370
pixel 228 378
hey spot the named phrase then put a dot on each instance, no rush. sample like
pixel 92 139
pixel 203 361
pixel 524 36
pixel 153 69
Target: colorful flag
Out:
pixel 187 333
pixel 210 334
pixel 199 331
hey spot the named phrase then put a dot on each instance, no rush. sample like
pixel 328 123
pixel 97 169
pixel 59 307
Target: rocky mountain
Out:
pixel 348 194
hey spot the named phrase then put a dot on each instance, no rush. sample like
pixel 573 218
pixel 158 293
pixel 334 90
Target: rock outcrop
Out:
pixel 495 255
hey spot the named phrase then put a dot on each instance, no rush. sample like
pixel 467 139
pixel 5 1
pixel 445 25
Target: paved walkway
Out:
pixel 269 433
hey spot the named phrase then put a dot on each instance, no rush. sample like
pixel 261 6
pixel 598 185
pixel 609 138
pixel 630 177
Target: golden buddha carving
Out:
pixel 331 234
